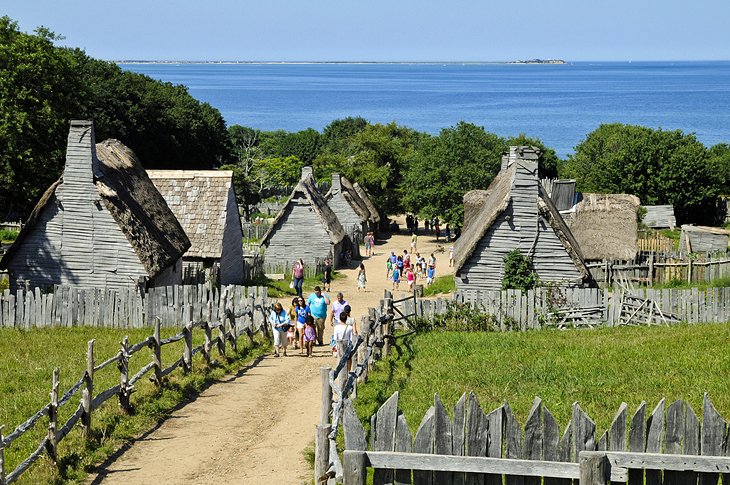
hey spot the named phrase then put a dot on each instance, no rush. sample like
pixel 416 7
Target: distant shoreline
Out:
pixel 536 61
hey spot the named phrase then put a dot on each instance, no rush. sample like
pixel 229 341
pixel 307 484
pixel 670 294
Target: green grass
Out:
pixel 681 284
pixel 8 235
pixel 280 288
pixel 598 368
pixel 26 366
pixel 440 285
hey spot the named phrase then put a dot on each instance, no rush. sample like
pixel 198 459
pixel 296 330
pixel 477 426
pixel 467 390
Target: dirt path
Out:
pixel 252 427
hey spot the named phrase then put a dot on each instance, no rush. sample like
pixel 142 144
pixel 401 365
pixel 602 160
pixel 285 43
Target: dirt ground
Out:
pixel 253 427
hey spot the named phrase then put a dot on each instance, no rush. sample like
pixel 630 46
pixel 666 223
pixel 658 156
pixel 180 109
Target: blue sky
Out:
pixel 377 30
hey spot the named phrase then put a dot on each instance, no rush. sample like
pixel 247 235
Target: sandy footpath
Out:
pixel 252 427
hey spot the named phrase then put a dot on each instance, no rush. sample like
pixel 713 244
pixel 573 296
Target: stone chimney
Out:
pixel 336 182
pixel 307 171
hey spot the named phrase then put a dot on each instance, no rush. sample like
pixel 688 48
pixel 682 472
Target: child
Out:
pixel 411 276
pixel 309 334
pixel 388 265
pixel 451 256
pixel 396 278
pixel 291 336
pixel 430 274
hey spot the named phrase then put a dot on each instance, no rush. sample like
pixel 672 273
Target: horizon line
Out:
pixel 546 61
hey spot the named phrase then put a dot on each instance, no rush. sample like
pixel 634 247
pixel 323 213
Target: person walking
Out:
pixel 368 247
pixel 327 276
pixel 414 242
pixel 280 324
pixel 361 278
pixel 342 331
pixel 302 313
pixel 310 334
pixel 396 278
pixel 297 276
pixel 337 306
pixel 318 303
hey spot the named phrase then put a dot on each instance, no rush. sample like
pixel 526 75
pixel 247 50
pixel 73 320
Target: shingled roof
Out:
pixel 199 200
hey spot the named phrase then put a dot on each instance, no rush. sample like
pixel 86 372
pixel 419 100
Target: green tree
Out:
pixel 303 144
pixel 337 135
pixel 519 273
pixel 277 172
pixel 658 166
pixel 720 156
pixel 461 158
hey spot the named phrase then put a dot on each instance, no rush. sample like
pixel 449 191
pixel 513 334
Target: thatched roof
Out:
pixel 351 196
pixel 497 200
pixel 200 201
pixel 308 189
pixel 474 201
pixel 138 207
pixel 374 214
pixel 133 201
pixel 605 226
pixel 488 207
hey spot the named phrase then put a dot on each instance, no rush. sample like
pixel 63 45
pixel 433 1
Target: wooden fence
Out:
pixel 255 231
pixel 228 330
pixel 479 448
pixel 648 269
pixel 517 310
pixel 126 307
pixel 285 268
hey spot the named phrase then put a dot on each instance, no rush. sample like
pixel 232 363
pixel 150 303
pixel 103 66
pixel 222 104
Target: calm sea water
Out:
pixel 559 104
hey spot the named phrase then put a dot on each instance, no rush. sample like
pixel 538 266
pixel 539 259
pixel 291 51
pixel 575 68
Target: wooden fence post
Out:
pixel 2 458
pixel 355 467
pixel 188 352
pixel 206 346
pixel 595 469
pixel 88 392
pixel 222 337
pixel 321 454
pixel 362 350
pixel 342 376
pixel 53 418
pixel 124 376
pixel 157 353
pixel 689 269
pixel 324 415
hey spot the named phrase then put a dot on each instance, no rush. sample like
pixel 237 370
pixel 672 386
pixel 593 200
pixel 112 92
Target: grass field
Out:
pixel 598 368
pixel 440 285
pixel 27 359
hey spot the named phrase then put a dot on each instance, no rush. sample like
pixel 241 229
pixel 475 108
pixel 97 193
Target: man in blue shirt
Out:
pixel 318 303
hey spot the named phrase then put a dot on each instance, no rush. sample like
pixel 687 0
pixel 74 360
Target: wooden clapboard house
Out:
pixel 204 201
pixel 304 228
pixel 102 224
pixel 351 211
pixel 516 213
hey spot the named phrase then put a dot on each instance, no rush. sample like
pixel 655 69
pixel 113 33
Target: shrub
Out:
pixel 518 272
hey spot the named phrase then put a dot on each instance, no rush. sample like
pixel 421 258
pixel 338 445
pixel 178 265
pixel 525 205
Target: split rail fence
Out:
pixel 227 331
pixel 651 269
pixel 475 447
pixel 125 307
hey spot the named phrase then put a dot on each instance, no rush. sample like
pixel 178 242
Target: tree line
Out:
pixel 43 86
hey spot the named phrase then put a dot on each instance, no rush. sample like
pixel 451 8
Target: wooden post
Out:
pixel 188 352
pixel 362 350
pixel 53 418
pixel 222 337
pixel 387 326
pixel 355 467
pixel 157 353
pixel 651 270
pixel 124 376
pixel 689 269
pixel 88 391
pixel 206 346
pixel 321 454
pixel 233 333
pixel 342 376
pixel 595 469
pixel 324 415
pixel 2 458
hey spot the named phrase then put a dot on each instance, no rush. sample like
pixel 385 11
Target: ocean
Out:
pixel 560 104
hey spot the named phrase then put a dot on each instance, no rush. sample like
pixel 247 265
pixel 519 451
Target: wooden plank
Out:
pixel 423 443
pixel 403 444
pixel 353 430
pixel 584 430
pixel 495 436
pixel 551 443
pixel 513 442
pixel 443 441
pixel 714 429
pixel 533 448
pixel 457 434
pixel 668 462
pixel 654 440
pixel 476 435
pixel 637 433
pixel 385 422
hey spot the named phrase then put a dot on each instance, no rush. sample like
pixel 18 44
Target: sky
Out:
pixel 378 30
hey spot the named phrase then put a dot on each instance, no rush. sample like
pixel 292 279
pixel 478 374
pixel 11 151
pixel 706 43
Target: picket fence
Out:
pixel 224 325
pixel 127 307
pixel 491 445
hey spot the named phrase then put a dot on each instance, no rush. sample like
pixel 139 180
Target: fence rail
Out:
pixel 478 447
pixel 229 332
pixel 650 269
pixel 126 307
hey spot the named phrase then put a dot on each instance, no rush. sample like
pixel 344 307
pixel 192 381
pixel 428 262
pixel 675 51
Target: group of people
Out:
pixel 404 267
pixel 297 276
pixel 369 241
pixel 304 322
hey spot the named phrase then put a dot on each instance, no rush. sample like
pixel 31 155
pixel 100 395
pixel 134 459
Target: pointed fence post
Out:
pixel 595 469
pixel 88 391
pixel 53 418
pixel 188 352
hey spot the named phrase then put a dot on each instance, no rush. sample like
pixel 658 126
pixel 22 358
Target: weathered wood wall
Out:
pixel 659 269
pixel 498 434
pixel 126 308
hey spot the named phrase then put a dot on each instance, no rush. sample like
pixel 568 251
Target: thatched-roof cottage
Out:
pixel 605 226
pixel 204 201
pixel 351 211
pixel 703 239
pixel 374 214
pixel 660 217
pixel 517 214
pixel 305 228
pixel 474 201
pixel 102 224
